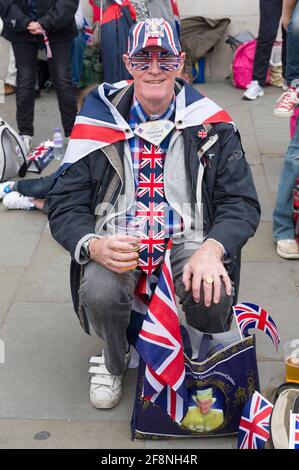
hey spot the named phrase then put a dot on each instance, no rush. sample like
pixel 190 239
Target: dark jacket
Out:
pixel 231 210
pixel 57 17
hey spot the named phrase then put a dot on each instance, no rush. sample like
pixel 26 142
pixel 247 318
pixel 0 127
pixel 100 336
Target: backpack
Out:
pixel 242 67
pixel 12 153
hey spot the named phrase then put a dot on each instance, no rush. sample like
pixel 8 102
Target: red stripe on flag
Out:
pixel 172 404
pixel 102 134
pixel 112 13
pixel 157 338
pixel 221 116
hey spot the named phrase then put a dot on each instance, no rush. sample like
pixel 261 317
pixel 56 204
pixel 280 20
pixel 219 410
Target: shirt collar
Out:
pixel 139 115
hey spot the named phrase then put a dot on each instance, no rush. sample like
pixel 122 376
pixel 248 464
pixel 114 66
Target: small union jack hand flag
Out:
pixel 254 424
pixel 253 316
pixel 294 431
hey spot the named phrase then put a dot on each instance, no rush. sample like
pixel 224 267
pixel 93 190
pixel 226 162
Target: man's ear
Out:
pixel 127 63
pixel 183 57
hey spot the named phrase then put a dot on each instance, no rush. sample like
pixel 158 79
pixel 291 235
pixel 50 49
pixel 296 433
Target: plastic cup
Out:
pixel 133 227
pixel 291 359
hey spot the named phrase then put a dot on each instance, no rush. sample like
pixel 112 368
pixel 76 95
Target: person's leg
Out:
pixel 283 225
pixel 213 319
pixel 78 48
pixel 270 14
pixel 292 66
pixel 26 63
pixel 35 187
pixel 60 70
pixel 284 51
pixel 106 298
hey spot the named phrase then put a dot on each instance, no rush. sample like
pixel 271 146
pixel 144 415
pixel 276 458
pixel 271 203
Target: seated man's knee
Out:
pixel 213 319
pixel 100 289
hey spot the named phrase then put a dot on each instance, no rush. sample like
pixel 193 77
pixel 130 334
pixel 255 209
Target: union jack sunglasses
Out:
pixel 166 61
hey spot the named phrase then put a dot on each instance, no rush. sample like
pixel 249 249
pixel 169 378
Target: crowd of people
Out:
pixel 145 149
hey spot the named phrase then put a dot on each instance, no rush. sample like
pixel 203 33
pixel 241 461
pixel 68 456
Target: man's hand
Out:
pixel 116 253
pixel 35 28
pixel 206 266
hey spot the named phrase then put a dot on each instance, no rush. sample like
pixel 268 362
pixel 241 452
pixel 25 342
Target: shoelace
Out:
pixel 288 98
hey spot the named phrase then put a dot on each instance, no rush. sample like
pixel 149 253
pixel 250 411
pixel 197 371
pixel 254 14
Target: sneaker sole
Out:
pixel 285 255
pixel 104 405
pixel 246 98
pixel 282 115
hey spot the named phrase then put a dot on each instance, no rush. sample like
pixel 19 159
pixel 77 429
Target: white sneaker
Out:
pixel 27 139
pixel 254 90
pixel 5 188
pixel 105 388
pixel 288 249
pixel 15 200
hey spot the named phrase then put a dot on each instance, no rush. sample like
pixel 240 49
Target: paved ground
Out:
pixel 44 381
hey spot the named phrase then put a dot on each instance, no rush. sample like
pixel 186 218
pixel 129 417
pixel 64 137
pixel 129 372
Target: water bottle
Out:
pixel 58 144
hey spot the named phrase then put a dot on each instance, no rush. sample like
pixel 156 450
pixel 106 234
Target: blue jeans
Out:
pixel 78 48
pixel 283 225
pixel 292 67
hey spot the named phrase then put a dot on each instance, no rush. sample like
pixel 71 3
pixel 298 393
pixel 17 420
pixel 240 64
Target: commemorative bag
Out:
pixel 221 375
pixel 12 153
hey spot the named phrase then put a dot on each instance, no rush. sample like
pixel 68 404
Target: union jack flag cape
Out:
pixel 253 316
pixel 160 344
pixel 294 431
pixel 99 123
pixel 254 424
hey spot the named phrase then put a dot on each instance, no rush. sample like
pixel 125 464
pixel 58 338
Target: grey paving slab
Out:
pixel 47 115
pixel 45 373
pixel 47 276
pixel 272 166
pixel 274 143
pixel 19 235
pixel 263 116
pixel 265 198
pixel 241 117
pixel 271 286
pixel 9 281
pixel 271 374
pixel 294 268
pixel 261 247
pixel 251 149
pixel 24 434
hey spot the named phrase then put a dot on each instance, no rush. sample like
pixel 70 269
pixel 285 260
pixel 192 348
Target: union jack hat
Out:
pixel 153 32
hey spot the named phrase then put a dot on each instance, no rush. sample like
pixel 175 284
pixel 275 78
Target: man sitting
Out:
pixel 155 149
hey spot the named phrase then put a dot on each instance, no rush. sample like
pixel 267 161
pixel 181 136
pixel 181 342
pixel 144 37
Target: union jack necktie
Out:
pixel 150 202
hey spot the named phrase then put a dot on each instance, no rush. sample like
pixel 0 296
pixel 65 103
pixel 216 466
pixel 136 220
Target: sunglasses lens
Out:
pixel 166 61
